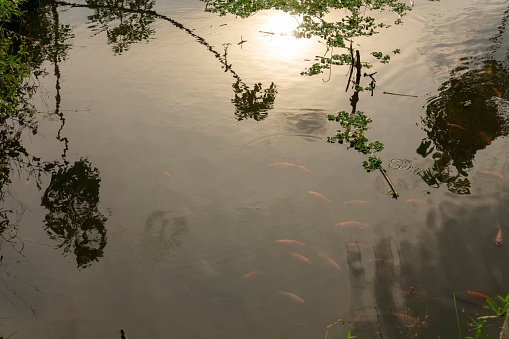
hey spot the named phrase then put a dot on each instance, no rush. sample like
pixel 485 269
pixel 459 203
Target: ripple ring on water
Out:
pixel 398 168
pixel 398 164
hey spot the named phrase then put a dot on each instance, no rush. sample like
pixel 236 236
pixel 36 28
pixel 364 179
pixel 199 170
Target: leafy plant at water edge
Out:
pixel 499 311
pixel 478 325
pixel 355 124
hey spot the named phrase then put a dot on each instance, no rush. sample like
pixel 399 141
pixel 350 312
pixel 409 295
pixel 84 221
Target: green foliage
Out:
pixel 16 113
pixel 9 9
pixel 500 311
pixel 478 324
pixel 384 59
pixel 355 124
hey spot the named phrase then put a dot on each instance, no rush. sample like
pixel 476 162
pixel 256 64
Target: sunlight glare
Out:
pixel 277 29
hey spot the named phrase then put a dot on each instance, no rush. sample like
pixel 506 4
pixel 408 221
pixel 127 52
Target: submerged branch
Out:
pixel 394 192
pixel 403 95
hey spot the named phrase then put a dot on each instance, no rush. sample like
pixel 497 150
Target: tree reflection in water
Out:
pixel 134 19
pixel 74 219
pixel 468 114
pixel 122 27
pixel 253 103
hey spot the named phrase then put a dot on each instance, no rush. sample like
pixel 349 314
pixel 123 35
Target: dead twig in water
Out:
pixel 351 67
pixel 394 192
pixel 403 95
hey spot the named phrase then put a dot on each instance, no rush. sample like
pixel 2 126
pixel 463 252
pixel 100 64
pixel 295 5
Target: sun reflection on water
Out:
pixel 277 29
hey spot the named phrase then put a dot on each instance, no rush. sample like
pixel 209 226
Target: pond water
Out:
pixel 163 199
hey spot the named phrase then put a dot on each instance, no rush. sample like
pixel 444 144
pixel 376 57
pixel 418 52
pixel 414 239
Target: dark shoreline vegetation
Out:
pixel 75 187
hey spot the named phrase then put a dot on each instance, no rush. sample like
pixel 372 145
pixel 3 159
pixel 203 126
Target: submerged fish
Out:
pixel 282 164
pixel 300 257
pixel 307 171
pixel 382 261
pixel 411 293
pixel 496 92
pixel 485 137
pixel 490 71
pixel 456 126
pixel 290 242
pixel 492 174
pixel 418 202
pixel 356 244
pixel 358 202
pixel 330 261
pixel 292 297
pixel 351 224
pixel 251 275
pixel 408 320
pixel 318 195
pixel 188 290
pixel 499 238
pixel 476 296
pixel 169 176
pixel 207 267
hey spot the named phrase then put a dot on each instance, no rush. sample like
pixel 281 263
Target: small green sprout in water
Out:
pixel 467 103
pixel 384 59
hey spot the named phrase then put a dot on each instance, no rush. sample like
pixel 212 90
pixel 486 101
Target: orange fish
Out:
pixel 456 85
pixel 490 71
pixel 207 267
pixel 351 224
pixel 290 242
pixel 300 257
pixel 292 297
pixel 411 293
pixel 477 296
pixel 492 174
pixel 330 262
pixel 251 275
pixel 188 290
pixel 497 92
pixel 456 126
pixel 33 39
pixel 499 238
pixel 381 261
pixel 418 202
pixel 358 202
pixel 307 171
pixel 485 136
pixel 356 244
pixel 282 164
pixel 407 319
pixel 443 70
pixel 169 176
pixel 318 195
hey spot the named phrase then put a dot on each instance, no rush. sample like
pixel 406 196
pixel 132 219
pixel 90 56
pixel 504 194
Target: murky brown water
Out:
pixel 166 198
